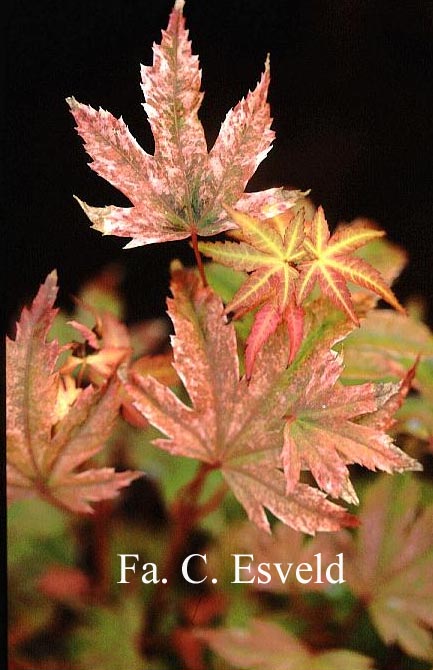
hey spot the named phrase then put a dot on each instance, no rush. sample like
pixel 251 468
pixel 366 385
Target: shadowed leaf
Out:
pixel 266 646
pixel 49 441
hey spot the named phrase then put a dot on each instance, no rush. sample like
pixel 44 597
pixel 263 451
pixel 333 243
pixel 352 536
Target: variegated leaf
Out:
pixel 51 430
pixel 330 426
pixel 180 189
pixel 231 425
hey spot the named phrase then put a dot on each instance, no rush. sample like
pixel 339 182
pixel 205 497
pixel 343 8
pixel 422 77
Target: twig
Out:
pixel 185 513
pixel 197 254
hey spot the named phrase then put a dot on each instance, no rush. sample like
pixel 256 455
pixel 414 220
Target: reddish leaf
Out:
pixel 266 646
pixel 188 648
pixel 232 425
pixel 269 250
pixel 49 439
pixel 294 318
pixel 265 324
pixel 64 583
pixel 323 434
pixel 181 188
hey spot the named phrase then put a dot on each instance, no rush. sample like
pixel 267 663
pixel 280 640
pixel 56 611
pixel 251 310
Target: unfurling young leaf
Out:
pixel 330 261
pixel 52 429
pixel 285 256
pixel 111 350
pixel 179 190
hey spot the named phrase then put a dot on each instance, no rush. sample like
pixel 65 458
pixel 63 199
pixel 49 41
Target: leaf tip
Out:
pixel 135 242
pixel 72 102
pixel 175 266
pixel 351 521
pixel 52 277
pixel 179 5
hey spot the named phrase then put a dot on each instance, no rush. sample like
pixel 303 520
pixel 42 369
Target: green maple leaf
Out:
pixel 388 564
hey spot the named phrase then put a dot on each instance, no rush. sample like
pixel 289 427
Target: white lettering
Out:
pixel 124 567
pixel 185 568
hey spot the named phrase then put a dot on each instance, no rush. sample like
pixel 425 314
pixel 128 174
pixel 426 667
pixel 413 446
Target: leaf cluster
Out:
pixel 281 375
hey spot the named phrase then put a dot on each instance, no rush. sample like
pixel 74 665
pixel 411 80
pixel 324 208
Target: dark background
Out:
pixel 351 97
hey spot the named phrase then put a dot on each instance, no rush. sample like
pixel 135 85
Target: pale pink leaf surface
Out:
pixel 232 425
pixel 322 433
pixel 266 646
pixel 31 385
pixel 244 141
pixel 47 439
pixel 180 188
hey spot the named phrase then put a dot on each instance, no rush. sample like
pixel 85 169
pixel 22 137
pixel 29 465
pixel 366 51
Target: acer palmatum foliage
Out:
pixel 305 381
pixel 53 427
pixel 108 349
pixel 179 190
pixel 290 419
pixel 285 256
pixel 330 425
pixel 389 560
pixel 266 646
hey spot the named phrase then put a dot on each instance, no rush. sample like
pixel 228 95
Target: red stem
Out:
pixel 186 511
pixel 100 543
pixel 197 254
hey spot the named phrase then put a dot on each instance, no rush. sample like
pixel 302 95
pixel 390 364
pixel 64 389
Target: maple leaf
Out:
pixel 330 425
pixel 269 250
pixel 388 565
pixel 385 347
pixel 331 263
pixel 385 256
pixel 284 256
pixel 106 352
pixel 108 348
pixel 180 189
pixel 266 646
pixel 48 443
pixel 232 425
